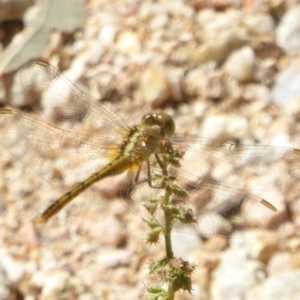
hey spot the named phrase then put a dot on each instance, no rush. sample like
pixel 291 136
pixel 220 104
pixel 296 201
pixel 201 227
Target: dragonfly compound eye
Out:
pixel 161 119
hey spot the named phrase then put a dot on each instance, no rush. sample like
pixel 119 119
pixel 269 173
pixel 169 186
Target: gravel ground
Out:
pixel 224 70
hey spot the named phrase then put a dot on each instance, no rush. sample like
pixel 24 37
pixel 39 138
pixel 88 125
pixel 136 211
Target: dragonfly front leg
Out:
pixel 149 176
pixel 163 176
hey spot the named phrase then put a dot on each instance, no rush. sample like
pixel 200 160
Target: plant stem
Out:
pixel 168 229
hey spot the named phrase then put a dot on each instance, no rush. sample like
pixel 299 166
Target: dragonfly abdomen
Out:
pixel 117 166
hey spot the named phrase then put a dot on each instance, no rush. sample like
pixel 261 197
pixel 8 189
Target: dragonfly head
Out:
pixel 159 123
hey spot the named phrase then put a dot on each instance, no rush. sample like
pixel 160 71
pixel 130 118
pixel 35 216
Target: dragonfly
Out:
pixel 76 131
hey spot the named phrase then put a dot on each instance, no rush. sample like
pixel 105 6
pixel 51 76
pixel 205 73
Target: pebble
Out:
pixel 14 269
pixel 155 87
pixel 109 232
pixel 128 43
pixel 107 35
pixel 53 284
pixel 280 262
pixel 222 129
pixel 114 259
pixel 209 84
pixel 4 284
pixel 288 31
pixel 260 23
pixel 13 10
pixel 264 249
pixel 218 48
pixel 257 92
pixel 159 21
pixel 185 241
pixel 286 88
pixel 241 64
pixel 192 82
pixel 234 275
pixel 283 286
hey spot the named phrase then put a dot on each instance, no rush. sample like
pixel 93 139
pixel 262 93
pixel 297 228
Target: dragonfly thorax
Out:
pixel 144 140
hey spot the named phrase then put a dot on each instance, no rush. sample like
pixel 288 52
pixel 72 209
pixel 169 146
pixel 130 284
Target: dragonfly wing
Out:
pixel 49 151
pixel 251 168
pixel 224 211
pixel 83 136
pixel 51 93
pixel 228 181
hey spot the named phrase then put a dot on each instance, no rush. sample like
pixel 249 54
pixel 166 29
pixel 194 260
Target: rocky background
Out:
pixel 223 69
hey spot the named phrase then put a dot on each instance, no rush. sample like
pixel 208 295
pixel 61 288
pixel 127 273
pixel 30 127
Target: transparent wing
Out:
pixel 50 92
pixel 49 150
pixel 237 186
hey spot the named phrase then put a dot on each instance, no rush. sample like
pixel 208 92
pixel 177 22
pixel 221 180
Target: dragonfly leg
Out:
pixel 149 173
pixel 163 168
pixel 149 176
pixel 136 179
